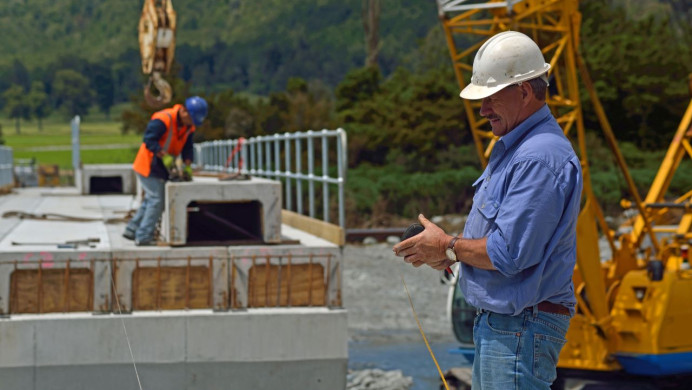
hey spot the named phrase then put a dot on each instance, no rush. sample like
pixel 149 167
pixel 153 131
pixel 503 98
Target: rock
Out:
pixel 393 240
pixel 376 379
pixel 369 241
pixel 457 220
pixel 437 219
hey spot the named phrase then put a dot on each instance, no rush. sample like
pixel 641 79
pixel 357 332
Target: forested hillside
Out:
pixel 249 46
pixel 246 45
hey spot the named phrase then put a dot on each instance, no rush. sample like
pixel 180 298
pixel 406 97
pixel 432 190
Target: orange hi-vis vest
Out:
pixel 171 142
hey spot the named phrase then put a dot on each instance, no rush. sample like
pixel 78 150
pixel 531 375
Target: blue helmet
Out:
pixel 197 108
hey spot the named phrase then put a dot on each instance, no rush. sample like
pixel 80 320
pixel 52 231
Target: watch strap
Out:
pixel 451 245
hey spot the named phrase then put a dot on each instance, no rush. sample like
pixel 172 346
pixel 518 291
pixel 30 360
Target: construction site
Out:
pixel 255 281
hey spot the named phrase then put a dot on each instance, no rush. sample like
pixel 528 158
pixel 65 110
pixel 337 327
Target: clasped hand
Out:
pixel 427 247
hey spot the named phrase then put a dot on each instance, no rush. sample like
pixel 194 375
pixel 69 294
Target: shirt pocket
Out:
pixel 489 209
pixel 478 188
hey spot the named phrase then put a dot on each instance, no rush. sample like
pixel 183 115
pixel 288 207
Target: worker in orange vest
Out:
pixel 167 136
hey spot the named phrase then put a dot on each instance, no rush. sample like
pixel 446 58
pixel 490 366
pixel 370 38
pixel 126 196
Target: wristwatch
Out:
pixel 451 254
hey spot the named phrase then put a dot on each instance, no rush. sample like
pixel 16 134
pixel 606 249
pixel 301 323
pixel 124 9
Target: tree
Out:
pixel 72 93
pixel 16 105
pixel 226 118
pixel 20 75
pixel 310 106
pixel 641 82
pixel 102 80
pixel 371 25
pixel 357 85
pixel 38 102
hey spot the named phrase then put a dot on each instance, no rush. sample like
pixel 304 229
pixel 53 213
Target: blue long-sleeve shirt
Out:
pixel 526 203
pixel 153 133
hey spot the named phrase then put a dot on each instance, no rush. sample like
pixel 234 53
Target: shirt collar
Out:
pixel 518 132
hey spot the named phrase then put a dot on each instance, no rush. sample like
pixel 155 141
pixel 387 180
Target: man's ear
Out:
pixel 526 92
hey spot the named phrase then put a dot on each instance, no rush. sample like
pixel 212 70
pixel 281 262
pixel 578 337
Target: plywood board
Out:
pixel 286 285
pixel 51 290
pixel 171 288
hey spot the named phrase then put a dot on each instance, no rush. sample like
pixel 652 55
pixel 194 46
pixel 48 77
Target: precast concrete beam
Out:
pixel 294 349
pixel 108 178
pixel 205 191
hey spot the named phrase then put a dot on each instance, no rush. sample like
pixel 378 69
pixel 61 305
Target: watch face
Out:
pixel 450 254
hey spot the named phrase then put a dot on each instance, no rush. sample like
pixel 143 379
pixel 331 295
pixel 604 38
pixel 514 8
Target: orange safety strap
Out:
pixel 235 151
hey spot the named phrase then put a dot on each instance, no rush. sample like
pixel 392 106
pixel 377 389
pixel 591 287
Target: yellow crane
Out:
pixel 157 48
pixel 633 309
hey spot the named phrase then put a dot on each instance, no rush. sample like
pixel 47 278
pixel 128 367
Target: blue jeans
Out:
pixel 147 217
pixel 517 352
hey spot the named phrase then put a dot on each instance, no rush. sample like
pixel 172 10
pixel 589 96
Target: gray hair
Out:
pixel 539 85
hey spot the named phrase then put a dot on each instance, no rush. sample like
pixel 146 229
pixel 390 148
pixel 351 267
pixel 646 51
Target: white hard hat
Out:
pixel 506 58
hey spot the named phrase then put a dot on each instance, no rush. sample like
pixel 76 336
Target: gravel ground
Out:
pixel 377 304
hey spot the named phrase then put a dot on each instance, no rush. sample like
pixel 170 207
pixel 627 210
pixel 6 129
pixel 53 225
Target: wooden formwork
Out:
pixel 285 277
pixel 166 279
pixel 49 282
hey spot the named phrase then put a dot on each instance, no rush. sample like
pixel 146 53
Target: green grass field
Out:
pixel 101 140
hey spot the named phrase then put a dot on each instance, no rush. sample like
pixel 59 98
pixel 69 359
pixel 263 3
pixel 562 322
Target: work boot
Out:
pixel 145 243
pixel 129 234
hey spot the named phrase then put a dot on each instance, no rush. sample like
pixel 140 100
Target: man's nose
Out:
pixel 485 107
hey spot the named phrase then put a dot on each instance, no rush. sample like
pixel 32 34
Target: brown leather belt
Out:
pixel 553 308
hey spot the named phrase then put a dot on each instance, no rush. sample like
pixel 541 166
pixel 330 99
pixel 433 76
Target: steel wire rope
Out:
pixel 127 338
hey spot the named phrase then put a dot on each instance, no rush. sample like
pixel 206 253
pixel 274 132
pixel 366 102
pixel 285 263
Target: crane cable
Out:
pixel 420 328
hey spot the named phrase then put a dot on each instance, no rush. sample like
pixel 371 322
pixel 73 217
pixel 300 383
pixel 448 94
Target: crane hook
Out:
pixel 163 89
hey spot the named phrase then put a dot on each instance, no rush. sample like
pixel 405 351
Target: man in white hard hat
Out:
pixel 518 249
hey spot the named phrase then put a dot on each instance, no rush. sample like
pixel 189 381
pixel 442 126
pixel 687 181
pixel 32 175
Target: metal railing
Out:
pixel 291 157
pixel 6 166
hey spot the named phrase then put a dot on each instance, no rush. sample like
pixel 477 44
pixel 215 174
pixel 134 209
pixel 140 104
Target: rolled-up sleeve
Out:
pixel 526 217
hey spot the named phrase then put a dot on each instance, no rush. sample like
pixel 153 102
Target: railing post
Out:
pixel 287 144
pixel 76 158
pixel 341 168
pixel 325 176
pixel 311 173
pixel 299 182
